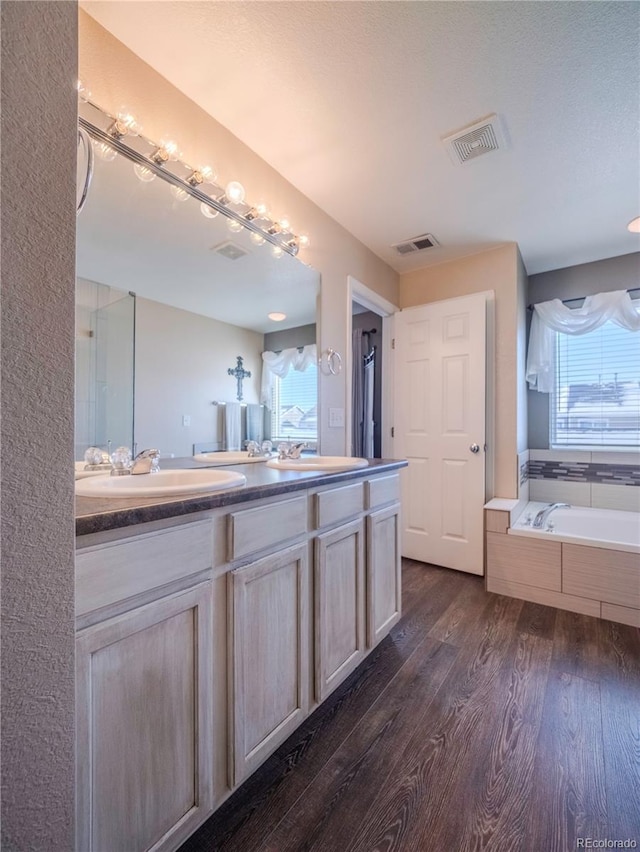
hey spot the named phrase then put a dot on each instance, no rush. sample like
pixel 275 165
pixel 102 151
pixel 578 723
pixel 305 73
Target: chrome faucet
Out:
pixel 147 461
pixel 290 451
pixel 543 514
pixel 255 450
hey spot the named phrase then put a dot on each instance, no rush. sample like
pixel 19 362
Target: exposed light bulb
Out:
pixel 634 225
pixel 104 151
pixel 208 212
pixel 166 151
pixel 260 211
pixel 234 192
pixel 256 239
pixel 179 194
pixel 234 226
pixel 204 174
pixel 143 173
pixel 277 252
pixel 83 92
pixel 171 148
pixel 303 241
pixel 277 316
pixel 125 123
pixel 285 224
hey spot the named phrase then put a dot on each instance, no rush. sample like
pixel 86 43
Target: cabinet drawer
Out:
pixel 252 530
pixel 113 572
pixel 338 504
pixel 384 489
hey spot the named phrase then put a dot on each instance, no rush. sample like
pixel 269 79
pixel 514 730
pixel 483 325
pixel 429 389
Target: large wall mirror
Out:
pixel 167 299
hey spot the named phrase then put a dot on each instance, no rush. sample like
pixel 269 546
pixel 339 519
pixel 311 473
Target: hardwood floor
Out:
pixel 480 723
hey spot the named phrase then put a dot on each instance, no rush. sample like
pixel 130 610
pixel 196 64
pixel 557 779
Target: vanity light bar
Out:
pixel 182 176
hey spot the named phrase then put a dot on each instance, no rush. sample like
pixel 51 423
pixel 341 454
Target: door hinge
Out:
pixel 393 431
pixel 393 343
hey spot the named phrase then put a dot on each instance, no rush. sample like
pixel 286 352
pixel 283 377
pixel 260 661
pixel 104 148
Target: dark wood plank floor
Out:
pixel 480 723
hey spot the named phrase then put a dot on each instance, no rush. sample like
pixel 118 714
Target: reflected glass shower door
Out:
pixel 105 370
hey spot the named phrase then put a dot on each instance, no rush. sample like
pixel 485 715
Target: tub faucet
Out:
pixel 543 514
pixel 147 461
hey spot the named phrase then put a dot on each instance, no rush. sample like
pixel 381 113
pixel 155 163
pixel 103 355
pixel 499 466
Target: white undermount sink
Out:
pixel 164 483
pixel 229 457
pixel 323 463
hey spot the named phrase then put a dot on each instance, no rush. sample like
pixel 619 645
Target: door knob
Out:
pixel 475 448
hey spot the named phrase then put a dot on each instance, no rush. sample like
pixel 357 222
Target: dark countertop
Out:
pixel 99 514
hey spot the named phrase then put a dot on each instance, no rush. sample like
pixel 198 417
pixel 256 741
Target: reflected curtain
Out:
pixel 552 317
pixel 357 391
pixel 279 364
pixel 362 384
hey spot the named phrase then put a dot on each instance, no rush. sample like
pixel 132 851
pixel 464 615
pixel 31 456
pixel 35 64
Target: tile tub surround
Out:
pixel 595 578
pixel 570 471
pixel 603 480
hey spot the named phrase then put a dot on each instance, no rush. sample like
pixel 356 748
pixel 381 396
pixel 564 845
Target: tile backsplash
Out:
pixel 605 481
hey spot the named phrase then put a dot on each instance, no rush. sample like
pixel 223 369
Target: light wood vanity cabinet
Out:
pixel 339 606
pixel 204 642
pixel 144 725
pixel 384 587
pixel 268 656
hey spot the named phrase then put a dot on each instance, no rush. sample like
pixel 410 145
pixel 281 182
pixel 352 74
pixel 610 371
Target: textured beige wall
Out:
pixel 117 77
pixel 38 246
pixel 495 270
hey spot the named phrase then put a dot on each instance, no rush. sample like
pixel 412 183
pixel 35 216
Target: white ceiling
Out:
pixel 350 100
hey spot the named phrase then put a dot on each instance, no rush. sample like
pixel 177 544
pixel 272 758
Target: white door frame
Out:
pixel 368 298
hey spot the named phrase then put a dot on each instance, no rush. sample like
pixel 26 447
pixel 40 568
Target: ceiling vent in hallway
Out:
pixel 425 241
pixel 476 139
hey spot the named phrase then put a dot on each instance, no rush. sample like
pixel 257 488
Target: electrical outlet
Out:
pixel 186 420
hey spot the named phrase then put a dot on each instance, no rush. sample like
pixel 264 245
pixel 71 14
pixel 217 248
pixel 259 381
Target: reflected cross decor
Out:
pixel 240 373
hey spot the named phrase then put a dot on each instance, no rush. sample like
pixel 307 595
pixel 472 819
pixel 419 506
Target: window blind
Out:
pixel 596 401
pixel 294 406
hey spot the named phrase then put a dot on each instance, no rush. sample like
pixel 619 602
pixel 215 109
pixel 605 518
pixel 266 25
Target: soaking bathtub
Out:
pixel 606 528
pixel 587 562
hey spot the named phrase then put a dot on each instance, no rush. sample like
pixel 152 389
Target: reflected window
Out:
pixel 294 406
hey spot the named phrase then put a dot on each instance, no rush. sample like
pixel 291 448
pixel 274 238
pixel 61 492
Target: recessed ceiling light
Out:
pixel 634 225
pixel 276 316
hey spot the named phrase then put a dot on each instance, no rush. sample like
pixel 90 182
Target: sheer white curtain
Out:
pixel 552 317
pixel 279 364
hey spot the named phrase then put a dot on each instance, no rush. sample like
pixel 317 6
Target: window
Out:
pixel 596 401
pixel 294 406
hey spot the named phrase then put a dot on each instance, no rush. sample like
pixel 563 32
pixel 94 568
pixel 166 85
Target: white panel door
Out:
pixel 440 429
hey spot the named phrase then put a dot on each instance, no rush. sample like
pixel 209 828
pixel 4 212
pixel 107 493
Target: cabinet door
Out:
pixel 269 656
pixel 384 591
pixel 144 723
pixel 339 606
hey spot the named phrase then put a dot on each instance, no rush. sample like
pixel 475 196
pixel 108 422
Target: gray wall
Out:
pixel 39 55
pixel 290 338
pixel 615 273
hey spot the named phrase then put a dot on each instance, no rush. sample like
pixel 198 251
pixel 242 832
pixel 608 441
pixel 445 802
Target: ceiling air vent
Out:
pixel 476 139
pixel 230 250
pixel 425 241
